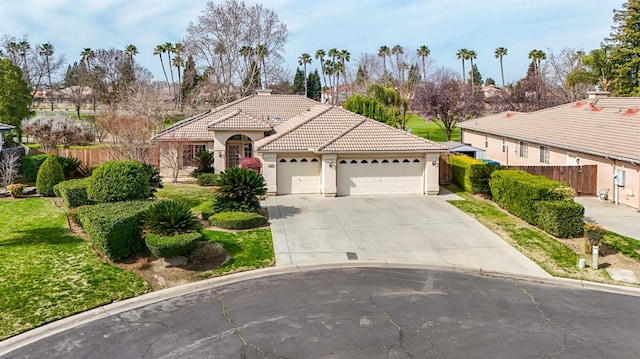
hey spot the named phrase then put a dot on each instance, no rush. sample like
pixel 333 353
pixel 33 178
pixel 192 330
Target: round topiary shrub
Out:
pixel 49 174
pixel 170 217
pixel 237 220
pixel 207 179
pixel 171 246
pixel 117 181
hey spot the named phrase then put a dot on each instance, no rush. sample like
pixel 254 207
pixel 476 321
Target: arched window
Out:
pixel 405 161
pixel 293 160
pixel 343 162
pixel 385 161
pixel 416 161
pixel 304 160
pixel 283 161
pixel 374 161
pixel 364 161
pixel 396 161
pixel 354 161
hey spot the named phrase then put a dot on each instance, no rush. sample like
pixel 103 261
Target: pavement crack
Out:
pixel 395 325
pixel 536 304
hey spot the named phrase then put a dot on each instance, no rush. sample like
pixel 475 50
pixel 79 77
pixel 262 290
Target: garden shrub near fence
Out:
pixel 115 228
pixel 237 220
pixel 170 246
pixel 119 181
pixel 563 219
pixel 471 174
pixel 49 174
pixel 73 192
pixel 30 165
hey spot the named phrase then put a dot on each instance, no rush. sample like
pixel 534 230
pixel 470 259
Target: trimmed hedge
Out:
pixel 563 219
pixel 49 174
pixel 73 192
pixel 471 174
pixel 237 220
pixel 29 166
pixel 116 181
pixel 517 191
pixel 171 246
pixel 115 228
pixel 207 179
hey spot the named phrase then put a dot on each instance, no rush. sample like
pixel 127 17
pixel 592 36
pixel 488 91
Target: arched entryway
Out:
pixel 237 148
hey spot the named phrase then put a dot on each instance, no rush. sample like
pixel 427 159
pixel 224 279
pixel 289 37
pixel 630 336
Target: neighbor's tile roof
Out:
pixel 5 127
pixel 270 109
pixel 238 120
pixel 331 129
pixel 604 126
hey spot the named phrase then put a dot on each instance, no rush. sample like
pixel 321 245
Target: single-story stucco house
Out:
pixel 309 147
pixel 601 130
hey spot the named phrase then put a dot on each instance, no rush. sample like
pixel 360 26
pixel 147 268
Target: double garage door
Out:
pixel 363 176
pixel 355 176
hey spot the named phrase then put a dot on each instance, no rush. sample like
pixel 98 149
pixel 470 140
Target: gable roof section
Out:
pixel 327 129
pixel 270 109
pixel 238 120
pixel 604 127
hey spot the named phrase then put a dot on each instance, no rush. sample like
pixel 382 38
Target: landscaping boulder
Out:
pixel 177 261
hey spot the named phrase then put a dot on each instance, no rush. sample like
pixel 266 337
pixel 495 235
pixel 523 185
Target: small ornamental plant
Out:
pixel 15 189
pixel 251 163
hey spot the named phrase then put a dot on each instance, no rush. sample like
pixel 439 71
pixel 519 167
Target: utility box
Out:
pixel 619 178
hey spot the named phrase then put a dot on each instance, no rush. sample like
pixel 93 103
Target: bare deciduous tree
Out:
pixel 128 136
pixel 9 162
pixel 172 152
pixel 58 129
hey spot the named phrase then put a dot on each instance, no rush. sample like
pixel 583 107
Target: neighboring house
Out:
pixel 4 128
pixel 309 147
pixel 601 130
pixel 465 149
pixel 491 91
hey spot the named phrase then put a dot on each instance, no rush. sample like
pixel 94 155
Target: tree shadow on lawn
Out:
pixel 41 236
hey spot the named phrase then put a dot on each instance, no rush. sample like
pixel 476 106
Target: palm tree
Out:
pixel 398 50
pixel 178 62
pixel 334 54
pixel 262 52
pixel 536 57
pixel 169 49
pixel 159 50
pixel 47 50
pixel 500 53
pixel 86 56
pixel 23 47
pixel 423 52
pixel 131 51
pixel 304 60
pixel 462 54
pixel 320 54
pixel 472 55
pixel 344 57
pixel 383 52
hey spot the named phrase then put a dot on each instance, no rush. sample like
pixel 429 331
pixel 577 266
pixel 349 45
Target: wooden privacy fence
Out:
pixel 446 173
pixel 583 178
pixel 91 157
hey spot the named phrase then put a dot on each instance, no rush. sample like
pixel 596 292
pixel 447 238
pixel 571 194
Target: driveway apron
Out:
pixel 396 229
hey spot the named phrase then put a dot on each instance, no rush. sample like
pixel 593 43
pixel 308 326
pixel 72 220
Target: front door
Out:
pixel 233 155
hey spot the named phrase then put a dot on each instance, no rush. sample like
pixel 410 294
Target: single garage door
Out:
pixel 298 175
pixel 363 176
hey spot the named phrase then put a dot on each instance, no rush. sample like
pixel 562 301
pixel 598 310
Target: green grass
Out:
pixel 429 130
pixel 197 197
pixel 248 250
pixel 46 273
pixel 625 245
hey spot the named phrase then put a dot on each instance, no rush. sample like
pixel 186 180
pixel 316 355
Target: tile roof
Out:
pixel 328 129
pixel 5 127
pixel 271 109
pixel 238 120
pixel 604 126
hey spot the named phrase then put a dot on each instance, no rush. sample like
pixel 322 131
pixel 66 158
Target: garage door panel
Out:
pixel 298 175
pixel 380 176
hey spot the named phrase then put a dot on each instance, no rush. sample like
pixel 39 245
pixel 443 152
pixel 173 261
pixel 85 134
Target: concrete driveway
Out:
pixel 395 229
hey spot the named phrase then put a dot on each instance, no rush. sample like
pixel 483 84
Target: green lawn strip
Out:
pixel 625 245
pixel 197 197
pixel 548 252
pixel 247 250
pixel 429 130
pixel 46 273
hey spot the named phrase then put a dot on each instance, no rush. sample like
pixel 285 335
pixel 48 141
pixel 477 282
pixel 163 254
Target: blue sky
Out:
pixel 358 26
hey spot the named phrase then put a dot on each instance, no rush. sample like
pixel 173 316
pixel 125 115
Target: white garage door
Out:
pixel 362 176
pixel 298 175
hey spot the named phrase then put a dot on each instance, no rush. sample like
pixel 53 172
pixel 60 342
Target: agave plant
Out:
pixel 238 190
pixel 169 218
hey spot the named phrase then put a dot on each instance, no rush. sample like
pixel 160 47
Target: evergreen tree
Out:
pixel 489 81
pixel 189 79
pixel 15 96
pixel 298 82
pixel 475 75
pixel 362 77
pixel 314 85
pixel 624 46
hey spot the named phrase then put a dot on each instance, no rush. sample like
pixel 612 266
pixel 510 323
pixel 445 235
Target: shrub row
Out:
pixel 540 201
pixel 237 220
pixel 73 192
pixel 471 174
pixel 29 165
pixel 119 181
pixel 170 246
pixel 207 179
pixel 114 228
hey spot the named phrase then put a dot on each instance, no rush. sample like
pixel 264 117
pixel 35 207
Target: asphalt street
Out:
pixel 363 313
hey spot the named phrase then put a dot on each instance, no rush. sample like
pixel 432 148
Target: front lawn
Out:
pixel 247 250
pixel 429 130
pixel 46 273
pixel 197 197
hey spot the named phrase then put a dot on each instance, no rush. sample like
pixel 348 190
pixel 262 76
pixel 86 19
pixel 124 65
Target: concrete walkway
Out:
pixel 620 219
pixel 394 229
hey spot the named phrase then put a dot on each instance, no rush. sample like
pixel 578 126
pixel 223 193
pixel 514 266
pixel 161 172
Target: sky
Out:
pixel 355 25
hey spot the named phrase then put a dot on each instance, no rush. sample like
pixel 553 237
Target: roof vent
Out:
pixel 264 92
pixel 597 93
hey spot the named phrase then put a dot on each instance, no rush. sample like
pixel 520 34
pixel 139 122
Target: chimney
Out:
pixel 597 93
pixel 267 92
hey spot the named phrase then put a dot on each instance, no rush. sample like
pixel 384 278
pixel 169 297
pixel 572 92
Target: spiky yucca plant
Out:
pixel 168 218
pixel 238 191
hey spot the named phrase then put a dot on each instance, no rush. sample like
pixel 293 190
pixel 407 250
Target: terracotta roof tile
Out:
pixel 238 120
pixel 610 130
